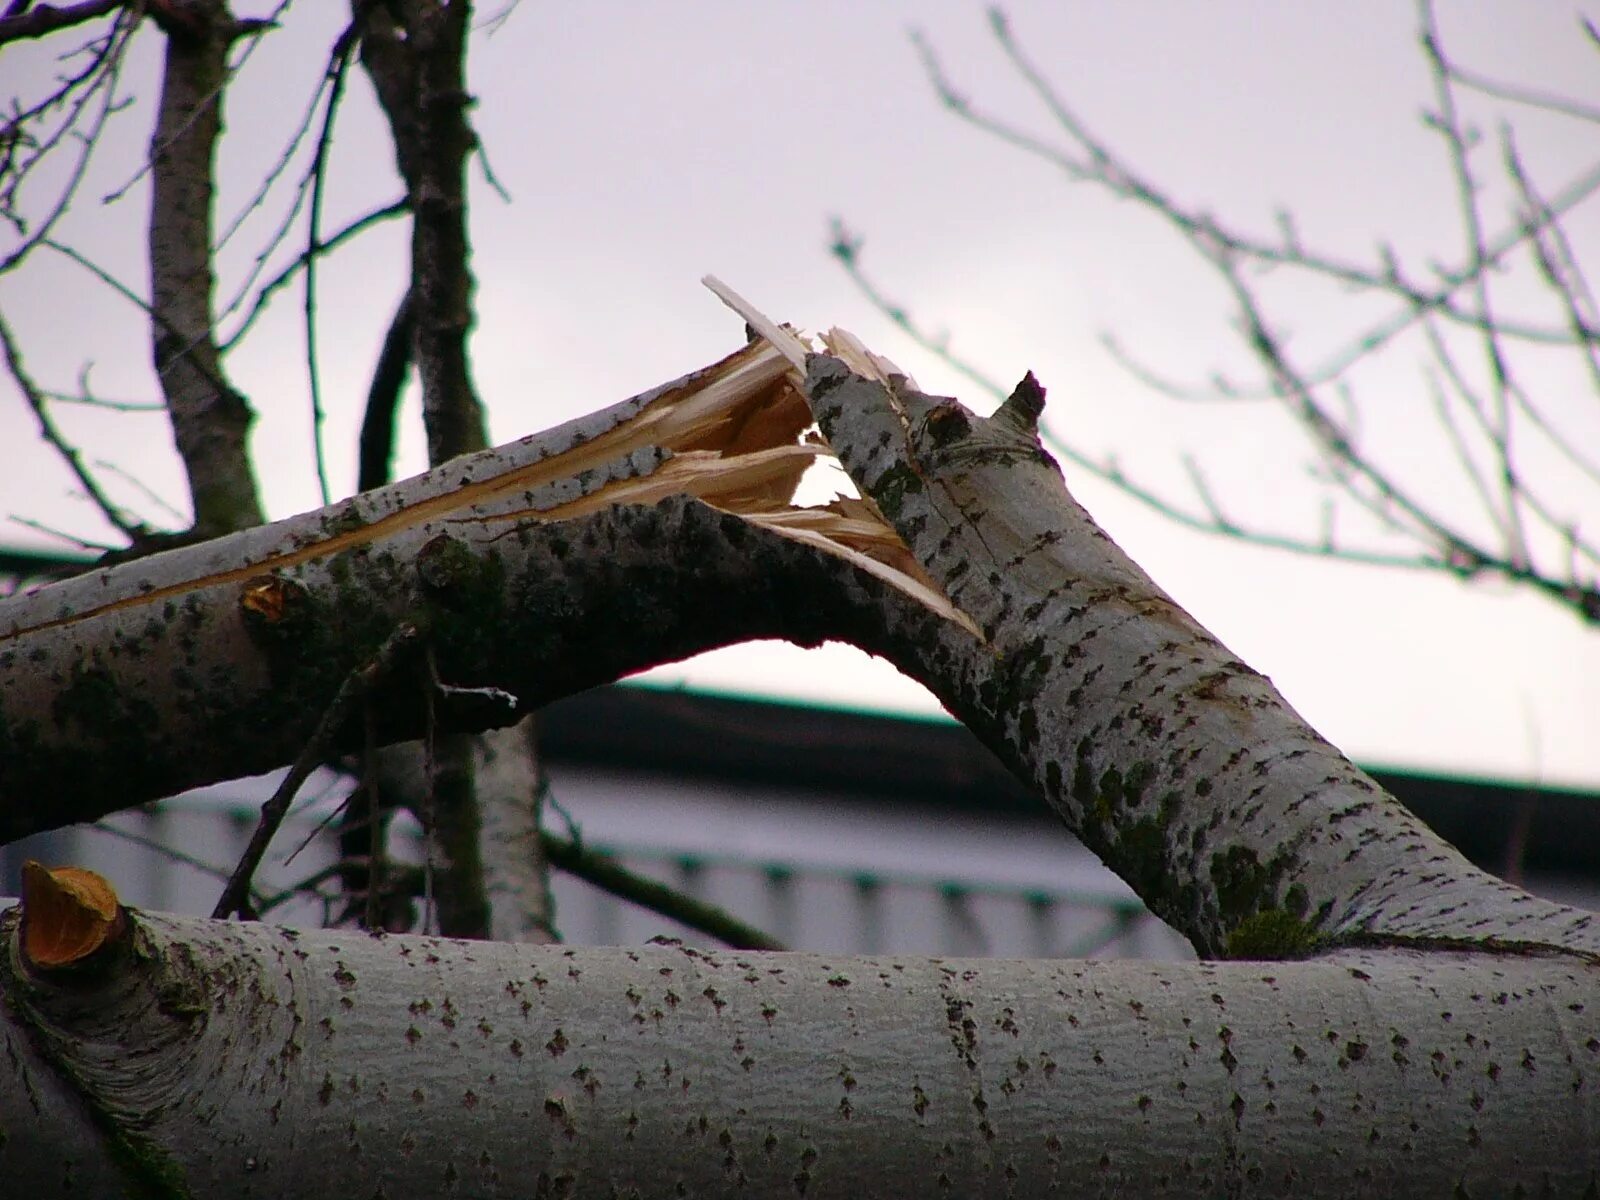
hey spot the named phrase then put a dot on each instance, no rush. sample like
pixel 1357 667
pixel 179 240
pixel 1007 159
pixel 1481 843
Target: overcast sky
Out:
pixel 644 145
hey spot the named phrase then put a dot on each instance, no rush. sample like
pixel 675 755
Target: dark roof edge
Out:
pixel 874 757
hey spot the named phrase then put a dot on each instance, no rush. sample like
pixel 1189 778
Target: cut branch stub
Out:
pixel 68 915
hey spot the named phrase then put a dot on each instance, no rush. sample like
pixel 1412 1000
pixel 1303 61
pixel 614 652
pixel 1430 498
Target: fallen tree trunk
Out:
pixel 664 526
pixel 541 568
pixel 209 1059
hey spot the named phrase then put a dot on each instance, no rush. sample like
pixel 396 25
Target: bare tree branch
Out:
pixel 1524 525
pixel 603 871
pixel 210 419
pixel 318 748
pixel 1099 164
pixel 1517 93
pixel 319 176
pixel 19 23
pixel 416 69
pixel 1460 140
pixel 22 151
pixel 383 401
pixel 415 54
pixel 349 231
pixel 129 527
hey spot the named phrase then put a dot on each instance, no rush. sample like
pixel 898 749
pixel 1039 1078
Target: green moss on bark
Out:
pixel 1272 934
pixel 892 488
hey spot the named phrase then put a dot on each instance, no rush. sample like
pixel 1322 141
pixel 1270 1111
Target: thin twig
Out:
pixel 1100 165
pixel 1460 295
pixel 149 492
pixel 319 176
pixel 1459 140
pixel 156 318
pixel 1518 94
pixel 160 146
pixel 129 527
pixel 48 18
pixel 268 181
pixel 303 887
pixel 604 872
pixel 1572 593
pixel 1460 450
pixel 1476 408
pixel 105 277
pixel 86 398
pixel 492 25
pixel 82 543
pixel 354 689
pixel 482 155
pixel 1563 274
pixel 102 77
pixel 167 851
pixel 286 276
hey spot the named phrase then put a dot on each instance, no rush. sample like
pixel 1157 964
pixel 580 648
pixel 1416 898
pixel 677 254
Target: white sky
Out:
pixel 645 145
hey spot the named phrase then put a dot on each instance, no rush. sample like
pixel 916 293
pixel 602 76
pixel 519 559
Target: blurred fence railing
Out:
pixel 173 856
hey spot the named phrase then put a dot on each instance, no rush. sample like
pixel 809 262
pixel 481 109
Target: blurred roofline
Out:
pixel 875 756
pixel 938 764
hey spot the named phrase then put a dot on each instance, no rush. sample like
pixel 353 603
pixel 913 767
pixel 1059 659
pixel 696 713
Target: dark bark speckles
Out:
pixel 540 619
pixel 824 374
pixel 1181 767
pixel 945 425
pixel 1133 699
pixel 890 489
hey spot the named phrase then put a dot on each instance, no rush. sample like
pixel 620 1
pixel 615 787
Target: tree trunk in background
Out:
pixel 416 59
pixel 210 420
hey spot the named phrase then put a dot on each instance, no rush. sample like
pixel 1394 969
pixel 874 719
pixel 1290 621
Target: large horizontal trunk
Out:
pixel 250 1061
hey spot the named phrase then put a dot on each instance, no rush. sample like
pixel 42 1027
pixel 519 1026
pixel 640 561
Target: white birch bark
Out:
pixel 1440 1034
pixel 252 1061
pixel 1174 761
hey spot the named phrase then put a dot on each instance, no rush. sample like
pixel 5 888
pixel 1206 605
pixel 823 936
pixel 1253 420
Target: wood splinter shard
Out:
pixel 849 527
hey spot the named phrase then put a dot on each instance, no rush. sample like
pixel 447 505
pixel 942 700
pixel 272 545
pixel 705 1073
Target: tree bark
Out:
pixel 507 854
pixel 415 55
pixel 1182 768
pixel 538 570
pixel 213 661
pixel 244 1060
pixel 1440 1035
pixel 210 419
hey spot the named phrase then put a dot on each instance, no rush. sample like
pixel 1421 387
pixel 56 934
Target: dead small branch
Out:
pixel 129 527
pixel 1488 415
pixel 604 872
pixel 235 898
pixel 22 21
